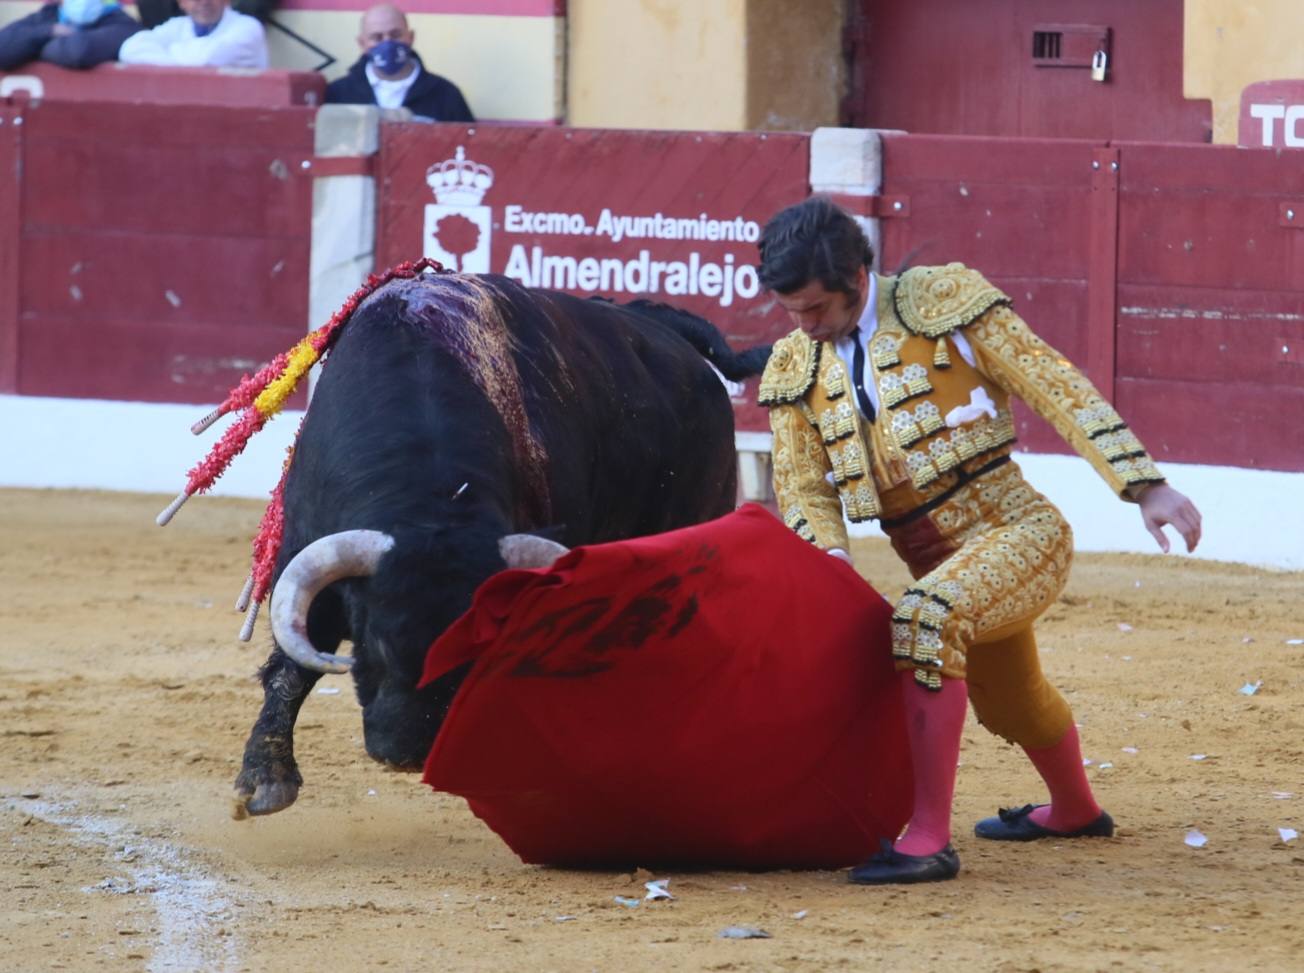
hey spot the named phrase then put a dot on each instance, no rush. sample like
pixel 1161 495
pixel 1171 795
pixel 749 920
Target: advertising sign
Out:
pixel 665 216
pixel 1272 115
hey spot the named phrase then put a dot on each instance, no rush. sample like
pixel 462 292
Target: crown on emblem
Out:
pixel 458 181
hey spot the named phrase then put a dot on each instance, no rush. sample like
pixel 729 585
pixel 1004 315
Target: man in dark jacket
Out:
pixel 72 34
pixel 390 74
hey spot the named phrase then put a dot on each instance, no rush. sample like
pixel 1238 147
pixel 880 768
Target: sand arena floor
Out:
pixel 125 700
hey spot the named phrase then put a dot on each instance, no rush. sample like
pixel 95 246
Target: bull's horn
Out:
pixel 348 554
pixel 529 551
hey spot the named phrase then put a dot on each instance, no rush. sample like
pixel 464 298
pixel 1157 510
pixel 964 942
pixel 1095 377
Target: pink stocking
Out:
pixel 934 723
pixel 1071 803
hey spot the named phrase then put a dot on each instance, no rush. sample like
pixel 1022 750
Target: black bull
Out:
pixel 455 410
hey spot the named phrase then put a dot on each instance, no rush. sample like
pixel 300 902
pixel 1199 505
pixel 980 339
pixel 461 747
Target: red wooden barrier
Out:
pixel 11 174
pixel 1211 303
pixel 164 249
pixel 156 252
pixel 670 216
pixel 1176 279
pixel 1019 210
pixel 143 84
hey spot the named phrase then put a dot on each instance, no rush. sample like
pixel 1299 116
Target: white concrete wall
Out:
pixel 1249 515
pixel 99 445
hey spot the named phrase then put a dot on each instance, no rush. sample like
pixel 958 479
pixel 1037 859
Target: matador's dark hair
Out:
pixel 814 240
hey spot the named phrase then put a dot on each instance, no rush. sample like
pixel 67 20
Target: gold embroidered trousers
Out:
pixel 986 561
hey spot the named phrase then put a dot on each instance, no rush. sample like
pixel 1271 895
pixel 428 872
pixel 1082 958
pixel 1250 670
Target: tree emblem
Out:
pixel 457 236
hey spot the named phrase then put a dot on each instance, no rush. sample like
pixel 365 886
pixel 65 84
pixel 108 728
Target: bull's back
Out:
pixel 644 425
pixel 546 409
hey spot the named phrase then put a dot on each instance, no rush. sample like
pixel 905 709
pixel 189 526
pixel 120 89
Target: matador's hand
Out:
pixel 1162 505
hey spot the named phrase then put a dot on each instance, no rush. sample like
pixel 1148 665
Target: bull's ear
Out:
pixel 529 551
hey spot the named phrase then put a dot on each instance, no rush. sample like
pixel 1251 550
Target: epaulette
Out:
pixel 934 301
pixel 790 372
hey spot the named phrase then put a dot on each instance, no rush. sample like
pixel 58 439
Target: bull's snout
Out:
pixel 399 728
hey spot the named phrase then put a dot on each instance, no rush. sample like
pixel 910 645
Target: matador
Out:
pixel 890 401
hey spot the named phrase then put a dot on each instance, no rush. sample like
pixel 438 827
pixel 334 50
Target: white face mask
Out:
pixel 81 12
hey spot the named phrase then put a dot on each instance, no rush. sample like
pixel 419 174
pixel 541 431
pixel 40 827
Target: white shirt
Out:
pixel 390 94
pixel 236 42
pixel 868 323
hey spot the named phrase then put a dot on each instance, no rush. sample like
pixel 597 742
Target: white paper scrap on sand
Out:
pixel 329 691
pixel 1195 839
pixel 1287 834
pixel 1131 750
pixel 1250 688
pixel 1199 756
pixel 657 890
pixel 1295 641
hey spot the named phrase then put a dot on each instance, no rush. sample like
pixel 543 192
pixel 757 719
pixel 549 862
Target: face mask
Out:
pixel 390 57
pixel 81 12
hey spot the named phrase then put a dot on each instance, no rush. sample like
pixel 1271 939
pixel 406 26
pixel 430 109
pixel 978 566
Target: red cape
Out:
pixel 717 695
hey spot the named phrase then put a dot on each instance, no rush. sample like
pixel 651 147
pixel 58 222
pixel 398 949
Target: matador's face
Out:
pixel 825 315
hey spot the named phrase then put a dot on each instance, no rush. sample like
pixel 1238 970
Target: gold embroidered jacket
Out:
pixel 935 429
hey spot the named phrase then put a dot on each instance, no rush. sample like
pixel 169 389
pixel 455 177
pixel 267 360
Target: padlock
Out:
pixel 1099 62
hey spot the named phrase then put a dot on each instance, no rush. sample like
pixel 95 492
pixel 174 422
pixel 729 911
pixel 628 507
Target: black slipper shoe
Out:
pixel 1016 824
pixel 889 867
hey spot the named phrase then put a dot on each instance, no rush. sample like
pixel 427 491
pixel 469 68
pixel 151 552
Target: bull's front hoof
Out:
pixel 266 799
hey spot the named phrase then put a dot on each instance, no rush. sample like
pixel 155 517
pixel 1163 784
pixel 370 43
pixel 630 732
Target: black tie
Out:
pixel 858 376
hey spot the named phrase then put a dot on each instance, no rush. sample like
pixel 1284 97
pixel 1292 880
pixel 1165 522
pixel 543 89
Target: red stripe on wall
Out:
pixel 483 8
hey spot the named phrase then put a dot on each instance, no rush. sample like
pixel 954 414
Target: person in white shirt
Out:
pixel 210 35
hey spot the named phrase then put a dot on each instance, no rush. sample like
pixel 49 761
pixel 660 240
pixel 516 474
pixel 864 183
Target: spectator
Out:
pixel 391 75
pixel 211 35
pixel 154 12
pixel 72 34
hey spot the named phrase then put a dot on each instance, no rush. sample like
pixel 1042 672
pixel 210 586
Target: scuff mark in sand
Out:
pixel 195 910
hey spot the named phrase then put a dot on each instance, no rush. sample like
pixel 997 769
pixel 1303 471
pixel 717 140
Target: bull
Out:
pixel 464 424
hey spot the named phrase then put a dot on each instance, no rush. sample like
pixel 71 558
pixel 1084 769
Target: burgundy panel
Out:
pixel 1019 210
pixel 1228 424
pixel 165 250
pixel 1211 301
pixel 1178 277
pixel 210 127
pixel 138 83
pixel 742 177
pixel 967 68
pixel 10 235
pixel 1209 335
pixel 168 279
pixel 1009 207
pixel 1210 217
pixel 129 360
pixel 219 171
